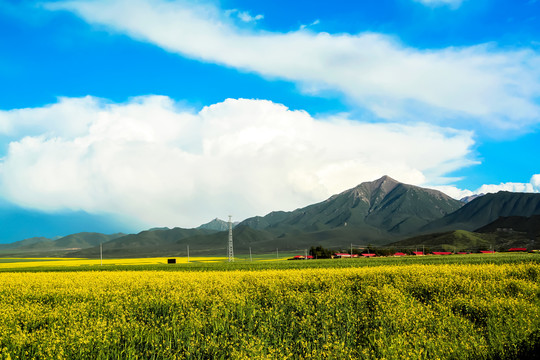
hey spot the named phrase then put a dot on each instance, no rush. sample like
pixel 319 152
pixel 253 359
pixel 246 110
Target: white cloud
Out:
pixel 164 165
pixel 63 117
pixel 245 16
pixel 453 191
pixel 533 186
pixel 498 88
pixel 452 3
pixel 535 182
pixel 316 22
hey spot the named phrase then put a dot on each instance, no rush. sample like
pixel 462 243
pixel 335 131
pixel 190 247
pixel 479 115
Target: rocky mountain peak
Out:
pixel 386 183
pixel 372 191
pixel 216 224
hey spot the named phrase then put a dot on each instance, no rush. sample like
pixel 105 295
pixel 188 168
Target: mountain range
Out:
pixel 380 212
pixel 41 246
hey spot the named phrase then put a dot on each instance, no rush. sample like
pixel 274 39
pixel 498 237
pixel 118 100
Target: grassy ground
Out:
pixel 261 262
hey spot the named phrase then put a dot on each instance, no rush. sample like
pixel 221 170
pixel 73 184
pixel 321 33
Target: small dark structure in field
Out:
pixel 171 261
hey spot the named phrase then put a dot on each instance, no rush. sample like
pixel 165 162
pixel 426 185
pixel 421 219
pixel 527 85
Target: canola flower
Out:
pixel 385 312
pixel 16 263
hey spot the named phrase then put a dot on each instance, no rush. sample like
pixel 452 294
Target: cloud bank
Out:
pixel 164 165
pixel 497 88
pixel 533 186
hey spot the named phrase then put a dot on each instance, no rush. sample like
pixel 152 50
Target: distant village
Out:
pixel 320 253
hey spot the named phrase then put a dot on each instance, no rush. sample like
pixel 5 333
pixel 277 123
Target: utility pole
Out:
pixel 250 258
pixel 277 253
pixel 231 251
pixel 188 253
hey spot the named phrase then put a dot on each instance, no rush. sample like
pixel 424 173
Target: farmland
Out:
pixel 466 307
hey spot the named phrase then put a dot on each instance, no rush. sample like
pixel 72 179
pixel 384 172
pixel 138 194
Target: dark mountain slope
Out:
pixel 244 237
pixel 458 240
pixel 406 208
pixel 462 240
pixel 75 241
pixel 85 240
pixel 384 204
pixel 24 243
pixel 486 209
pixel 216 224
pixel 529 225
pixel 373 212
pixel 146 243
pixel 59 247
pixel 262 241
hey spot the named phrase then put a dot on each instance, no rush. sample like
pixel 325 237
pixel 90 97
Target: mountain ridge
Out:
pixel 374 212
pixel 486 209
pixel 379 212
pixel 384 203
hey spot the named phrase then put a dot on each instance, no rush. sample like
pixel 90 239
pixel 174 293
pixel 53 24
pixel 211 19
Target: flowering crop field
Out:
pixel 33 263
pixel 258 263
pixel 416 311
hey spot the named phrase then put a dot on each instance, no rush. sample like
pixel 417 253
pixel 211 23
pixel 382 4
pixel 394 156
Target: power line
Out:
pixel 231 251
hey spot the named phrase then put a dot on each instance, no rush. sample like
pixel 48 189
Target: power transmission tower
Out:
pixel 231 252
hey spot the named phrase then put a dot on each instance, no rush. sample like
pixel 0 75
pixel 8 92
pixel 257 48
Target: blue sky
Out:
pixel 123 115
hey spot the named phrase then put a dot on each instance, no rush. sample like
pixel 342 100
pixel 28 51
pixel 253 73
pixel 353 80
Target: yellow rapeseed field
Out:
pixel 17 263
pixel 385 312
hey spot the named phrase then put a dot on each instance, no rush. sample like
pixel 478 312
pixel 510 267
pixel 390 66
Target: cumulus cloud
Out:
pixel 533 186
pixel 164 165
pixel 498 88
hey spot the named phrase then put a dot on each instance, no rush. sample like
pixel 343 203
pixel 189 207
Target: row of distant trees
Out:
pixel 320 252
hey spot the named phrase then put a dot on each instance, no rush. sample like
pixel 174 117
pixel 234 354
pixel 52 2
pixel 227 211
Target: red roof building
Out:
pixel 517 249
pixel 399 254
pixel 302 257
pixel 442 253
